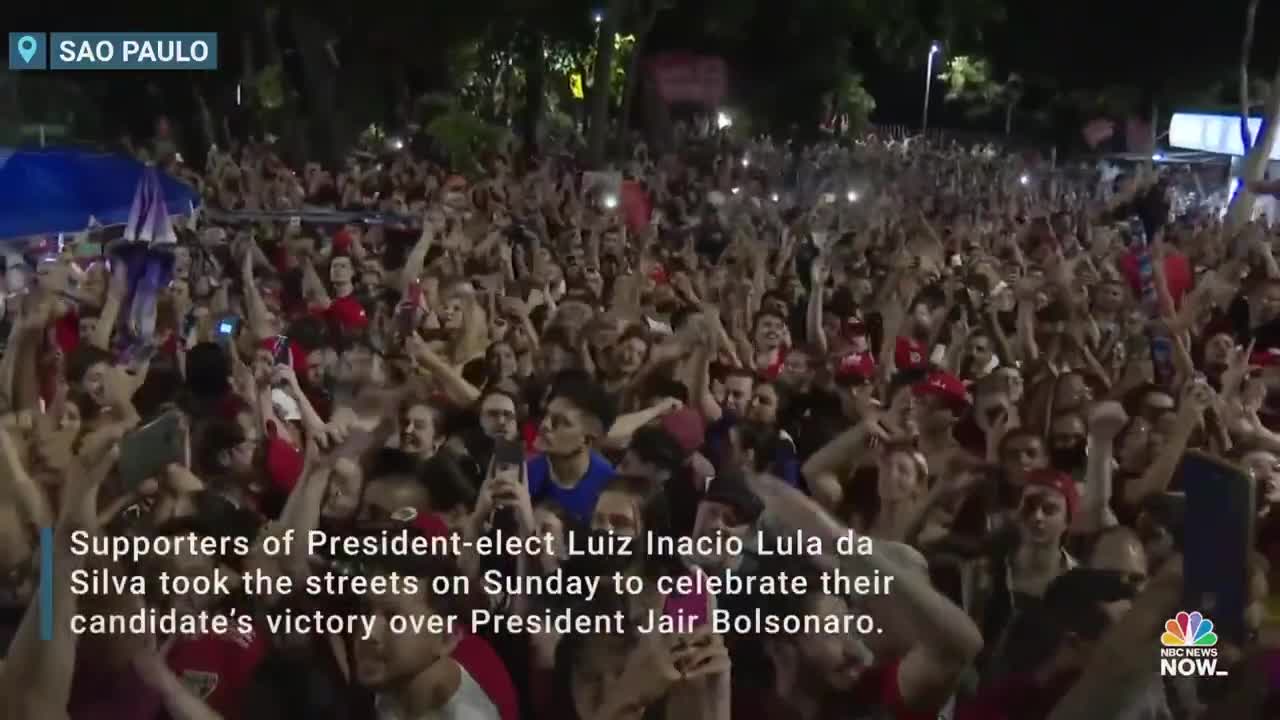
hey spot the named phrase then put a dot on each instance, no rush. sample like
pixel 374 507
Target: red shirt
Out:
pixel 218 668
pixel 1017 698
pixel 771 372
pixel 877 687
pixel 346 312
pixel 909 353
pixel 1177 274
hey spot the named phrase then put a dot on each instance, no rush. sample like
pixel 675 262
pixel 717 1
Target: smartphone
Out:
pixel 188 325
pixel 1217 540
pixel 508 455
pixel 146 451
pixel 689 607
pixel 226 329
pixel 280 351
pixel 407 313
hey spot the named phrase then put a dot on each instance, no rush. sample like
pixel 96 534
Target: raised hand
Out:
pixel 1107 420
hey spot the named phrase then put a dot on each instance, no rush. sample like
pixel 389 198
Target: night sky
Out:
pixel 1079 43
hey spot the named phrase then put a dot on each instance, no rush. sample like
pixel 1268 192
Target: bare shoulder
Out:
pixel 13 706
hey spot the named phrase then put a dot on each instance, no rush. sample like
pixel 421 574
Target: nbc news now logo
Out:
pixel 1190 647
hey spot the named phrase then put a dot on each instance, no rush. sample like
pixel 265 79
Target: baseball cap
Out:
pixel 1060 483
pixel 430 525
pixel 731 489
pixel 946 387
pixel 686 427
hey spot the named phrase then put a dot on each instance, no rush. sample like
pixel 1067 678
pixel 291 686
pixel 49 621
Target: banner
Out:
pixel 689 78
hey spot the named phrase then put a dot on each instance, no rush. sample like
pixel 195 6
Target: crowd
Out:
pixel 991 370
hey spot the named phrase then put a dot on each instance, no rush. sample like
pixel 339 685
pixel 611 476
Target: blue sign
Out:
pixel 28 51
pixel 133 51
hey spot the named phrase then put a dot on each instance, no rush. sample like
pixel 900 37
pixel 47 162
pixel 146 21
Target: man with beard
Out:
pixel 570 470
pixel 428 674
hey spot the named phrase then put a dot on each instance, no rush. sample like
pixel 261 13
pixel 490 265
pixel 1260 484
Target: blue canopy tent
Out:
pixel 43 192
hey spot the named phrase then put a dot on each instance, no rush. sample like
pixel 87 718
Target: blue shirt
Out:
pixel 579 501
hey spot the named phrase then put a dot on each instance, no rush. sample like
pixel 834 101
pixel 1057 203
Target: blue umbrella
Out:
pixel 43 192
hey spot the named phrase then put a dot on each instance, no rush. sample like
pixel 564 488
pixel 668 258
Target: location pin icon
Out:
pixel 27 48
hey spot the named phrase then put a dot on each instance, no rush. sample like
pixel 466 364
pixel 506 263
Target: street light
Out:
pixel 597 17
pixel 723 120
pixel 928 83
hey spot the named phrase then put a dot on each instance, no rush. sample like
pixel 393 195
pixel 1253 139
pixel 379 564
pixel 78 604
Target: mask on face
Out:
pixel 1069 459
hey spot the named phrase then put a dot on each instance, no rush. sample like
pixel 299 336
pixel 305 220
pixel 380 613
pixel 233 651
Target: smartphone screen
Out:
pixel 280 350
pixel 508 456
pixel 1217 539
pixel 146 451
pixel 227 326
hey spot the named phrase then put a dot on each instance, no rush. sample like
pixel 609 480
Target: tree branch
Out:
pixel 1246 49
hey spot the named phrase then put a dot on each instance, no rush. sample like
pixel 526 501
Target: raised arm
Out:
pixel 947 640
pixel 417 257
pixel 1105 423
pixel 35 682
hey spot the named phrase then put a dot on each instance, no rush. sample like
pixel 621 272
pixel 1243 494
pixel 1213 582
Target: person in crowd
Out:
pixel 971 378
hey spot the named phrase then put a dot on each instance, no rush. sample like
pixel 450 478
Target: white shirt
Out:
pixel 469 702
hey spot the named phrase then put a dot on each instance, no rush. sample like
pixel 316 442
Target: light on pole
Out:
pixel 928 84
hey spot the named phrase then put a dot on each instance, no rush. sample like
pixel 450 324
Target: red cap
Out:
pixel 429 524
pixel 341 242
pixel 348 313
pixel 857 365
pixel 909 354
pixel 1060 483
pixel 284 463
pixel 945 386
pixel 687 427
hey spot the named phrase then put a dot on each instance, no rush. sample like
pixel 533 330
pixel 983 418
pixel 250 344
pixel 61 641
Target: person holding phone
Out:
pixel 674 674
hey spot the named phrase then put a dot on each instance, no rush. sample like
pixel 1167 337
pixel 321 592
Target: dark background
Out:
pixel 1174 54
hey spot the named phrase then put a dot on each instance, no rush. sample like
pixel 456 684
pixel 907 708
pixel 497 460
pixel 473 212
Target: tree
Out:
pixel 1257 150
pixel 970 81
pixel 603 71
pixel 852 99
pixel 649 13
